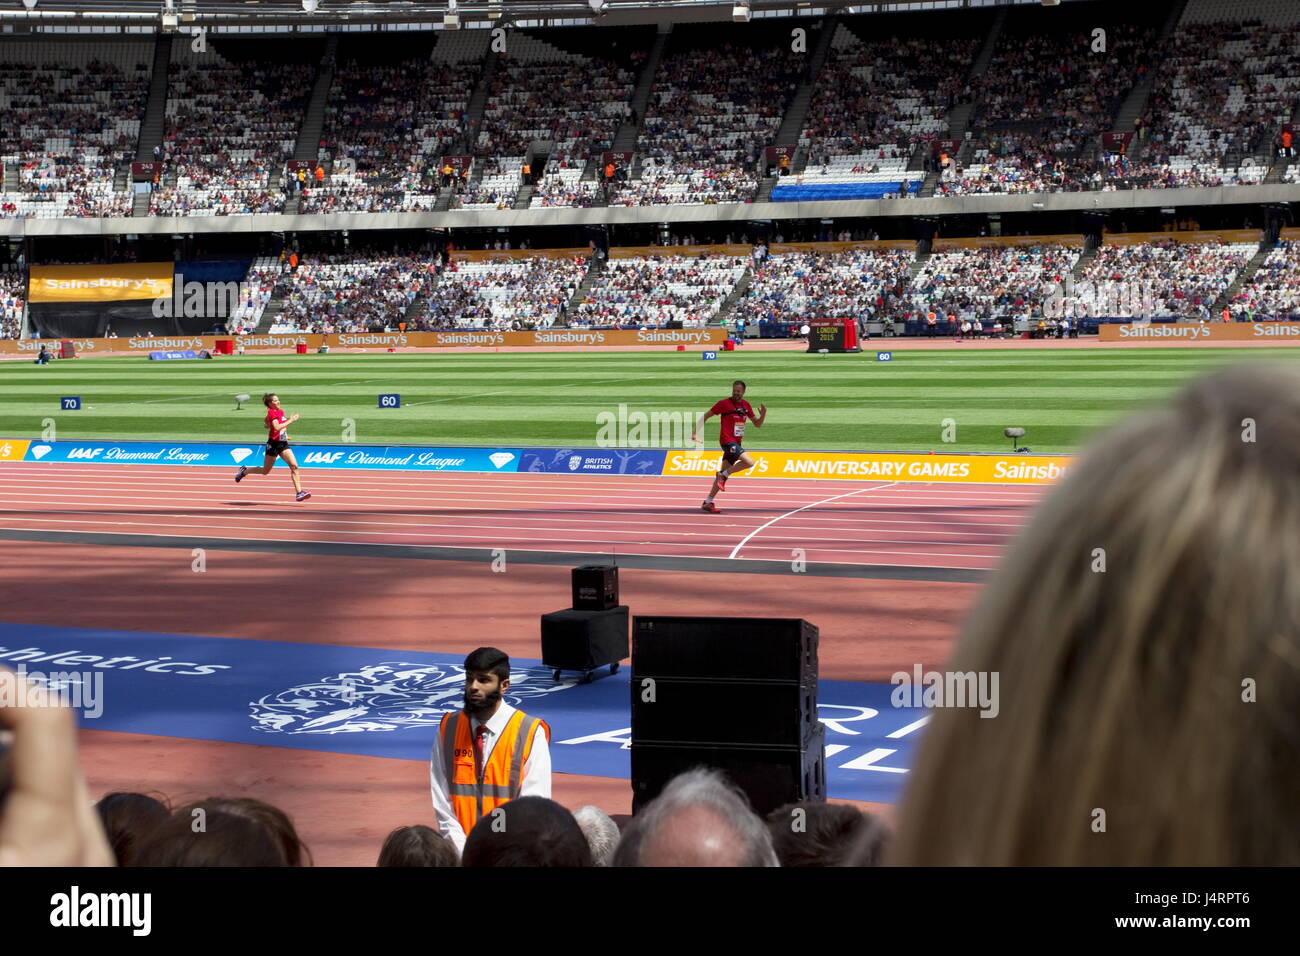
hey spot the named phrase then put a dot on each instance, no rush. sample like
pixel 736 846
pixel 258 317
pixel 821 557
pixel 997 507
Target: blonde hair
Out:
pixel 1146 630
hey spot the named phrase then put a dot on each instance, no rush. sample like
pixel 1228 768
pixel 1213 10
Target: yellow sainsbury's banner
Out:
pixel 13 449
pixel 973 469
pixel 107 283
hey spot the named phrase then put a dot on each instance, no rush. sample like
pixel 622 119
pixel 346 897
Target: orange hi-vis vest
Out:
pixel 473 796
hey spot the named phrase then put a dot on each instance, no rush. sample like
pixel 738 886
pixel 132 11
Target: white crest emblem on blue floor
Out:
pixel 387 696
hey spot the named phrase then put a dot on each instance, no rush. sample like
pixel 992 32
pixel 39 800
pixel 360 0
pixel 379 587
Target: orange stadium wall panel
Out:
pixel 380 340
pixel 1175 332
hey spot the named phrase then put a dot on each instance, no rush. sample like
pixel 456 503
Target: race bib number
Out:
pixel 740 429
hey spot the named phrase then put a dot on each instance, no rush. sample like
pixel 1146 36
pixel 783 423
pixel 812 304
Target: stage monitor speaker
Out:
pixel 574 640
pixel 769 776
pixel 736 648
pixel 752 713
pixel 595 587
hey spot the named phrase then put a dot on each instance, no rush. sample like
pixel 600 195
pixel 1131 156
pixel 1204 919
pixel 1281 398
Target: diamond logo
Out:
pixel 501 458
pixel 40 451
pixel 239 454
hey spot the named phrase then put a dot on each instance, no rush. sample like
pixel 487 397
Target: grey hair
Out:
pixel 601 833
pixel 699 787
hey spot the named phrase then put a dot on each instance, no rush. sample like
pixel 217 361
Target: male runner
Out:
pixel 734 411
pixel 277 446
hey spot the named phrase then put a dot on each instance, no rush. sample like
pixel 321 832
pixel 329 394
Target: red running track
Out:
pixel 837 522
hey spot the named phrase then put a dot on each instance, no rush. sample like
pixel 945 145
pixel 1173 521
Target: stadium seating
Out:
pixel 792 287
pixel 13 292
pixel 660 289
pixel 388 124
pixel 874 102
pixel 1179 279
pixel 1274 290
pixel 230 126
pixel 988 283
pixel 711 113
pixel 352 293
pixel 567 103
pixel 523 293
pixel 73 111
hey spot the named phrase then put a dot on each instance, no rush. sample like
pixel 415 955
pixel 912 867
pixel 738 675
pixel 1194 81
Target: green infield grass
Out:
pixel 843 402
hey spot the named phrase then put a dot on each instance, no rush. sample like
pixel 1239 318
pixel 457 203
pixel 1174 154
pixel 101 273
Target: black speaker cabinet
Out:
pixel 754 713
pixel 735 648
pixel 595 587
pixel 769 776
pixel 575 640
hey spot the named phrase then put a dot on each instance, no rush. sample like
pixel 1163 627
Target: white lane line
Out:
pixel 797 510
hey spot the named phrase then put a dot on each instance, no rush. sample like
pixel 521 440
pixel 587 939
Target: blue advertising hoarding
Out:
pixel 394 457
pixel 594 461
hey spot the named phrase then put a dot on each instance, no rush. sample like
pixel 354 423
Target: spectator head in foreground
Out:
pixel 225 831
pixel 699 820
pixel 826 834
pixel 417 846
pixel 1146 632
pixel 46 817
pixel 128 820
pixel 530 831
pixel 601 833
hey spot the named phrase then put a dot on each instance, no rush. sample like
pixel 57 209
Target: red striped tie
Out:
pixel 479 735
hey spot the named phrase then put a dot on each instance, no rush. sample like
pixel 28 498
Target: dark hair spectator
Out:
pixel 417 846
pixel 225 831
pixel 129 818
pixel 530 831
pixel 826 834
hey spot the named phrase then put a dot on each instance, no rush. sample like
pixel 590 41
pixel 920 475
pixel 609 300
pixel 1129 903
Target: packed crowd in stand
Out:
pixel 516 294
pixel 414 293
pixel 1222 92
pixel 1175 278
pixel 1274 289
pixel 542 94
pixel 1014 163
pixel 974 285
pixel 876 100
pixel 72 112
pixel 353 293
pixel 388 125
pixel 229 129
pixel 13 293
pixel 854 284
pixel 711 114
pixel 657 290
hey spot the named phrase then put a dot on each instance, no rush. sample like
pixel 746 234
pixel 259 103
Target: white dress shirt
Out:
pixel 535 781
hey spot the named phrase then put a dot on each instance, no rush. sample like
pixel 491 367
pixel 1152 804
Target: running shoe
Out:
pixel 302 496
pixel 243 470
pixel 710 507
pixel 722 481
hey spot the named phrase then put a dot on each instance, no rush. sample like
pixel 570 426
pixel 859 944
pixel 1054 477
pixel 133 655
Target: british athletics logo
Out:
pixel 593 461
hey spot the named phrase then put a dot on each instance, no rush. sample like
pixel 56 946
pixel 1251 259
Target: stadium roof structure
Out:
pixel 149 16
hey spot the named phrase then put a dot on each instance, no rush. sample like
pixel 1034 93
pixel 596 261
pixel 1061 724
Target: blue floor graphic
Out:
pixel 385 703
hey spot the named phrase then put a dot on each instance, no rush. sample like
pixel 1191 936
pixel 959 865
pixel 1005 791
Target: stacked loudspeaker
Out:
pixel 738 694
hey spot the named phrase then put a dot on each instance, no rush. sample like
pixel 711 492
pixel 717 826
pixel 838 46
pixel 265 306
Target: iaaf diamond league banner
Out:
pixel 394 457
